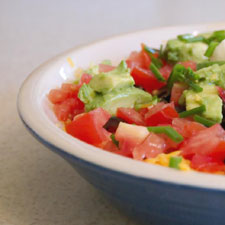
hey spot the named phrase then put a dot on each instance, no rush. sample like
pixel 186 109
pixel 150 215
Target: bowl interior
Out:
pixel 36 112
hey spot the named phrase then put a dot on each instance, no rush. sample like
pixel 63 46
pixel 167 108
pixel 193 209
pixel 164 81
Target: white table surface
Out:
pixel 38 187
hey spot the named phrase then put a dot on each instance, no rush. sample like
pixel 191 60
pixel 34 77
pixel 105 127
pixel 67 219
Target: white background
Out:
pixel 36 186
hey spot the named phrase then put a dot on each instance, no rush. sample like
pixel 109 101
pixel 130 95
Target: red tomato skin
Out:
pixel 68 109
pixel 160 114
pixel 221 92
pixel 109 146
pixel 85 79
pixel 189 64
pixel 146 79
pixel 176 92
pixel 207 164
pixel 71 89
pixel 208 142
pixel 103 68
pixel 57 96
pixel 140 59
pixel 150 147
pixel 88 127
pixel 130 116
pixel 186 127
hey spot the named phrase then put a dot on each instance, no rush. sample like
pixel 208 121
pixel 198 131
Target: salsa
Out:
pixel 163 106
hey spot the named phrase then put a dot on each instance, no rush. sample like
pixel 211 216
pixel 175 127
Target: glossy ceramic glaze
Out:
pixel 150 193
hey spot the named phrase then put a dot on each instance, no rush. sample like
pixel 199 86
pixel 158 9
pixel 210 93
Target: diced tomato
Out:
pixel 103 68
pixel 130 116
pixel 176 92
pixel 150 147
pixel 88 127
pixel 207 164
pixel 146 79
pixel 207 142
pixel 189 64
pixel 66 91
pixel 85 78
pixel 140 59
pixel 57 96
pixel 160 114
pixel 68 109
pixel 129 136
pixel 143 111
pixel 170 144
pixel 71 89
pixel 109 146
pixel 166 71
pixel 186 127
pixel 221 92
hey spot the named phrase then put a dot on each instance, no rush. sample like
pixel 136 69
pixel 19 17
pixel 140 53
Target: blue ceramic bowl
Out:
pixel 149 193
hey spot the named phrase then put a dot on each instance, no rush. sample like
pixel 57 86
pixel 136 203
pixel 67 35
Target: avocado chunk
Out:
pixel 214 74
pixel 178 51
pixel 208 97
pixel 126 97
pixel 118 78
pixel 112 90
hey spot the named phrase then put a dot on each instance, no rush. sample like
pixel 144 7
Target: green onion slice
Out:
pixel 204 121
pixel 195 86
pixel 175 75
pixel 114 140
pixel 211 48
pixel 158 63
pixel 190 38
pixel 206 64
pixel 193 111
pixel 175 161
pixel 156 72
pixel 169 131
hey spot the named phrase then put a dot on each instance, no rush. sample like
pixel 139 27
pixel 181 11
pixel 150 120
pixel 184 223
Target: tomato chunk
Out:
pixel 88 127
pixel 189 64
pixel 68 109
pixel 207 164
pixel 130 116
pixel 207 142
pixel 85 79
pixel 160 114
pixel 140 59
pixel 104 68
pixel 150 147
pixel 186 127
pixel 221 92
pixel 129 136
pixel 176 92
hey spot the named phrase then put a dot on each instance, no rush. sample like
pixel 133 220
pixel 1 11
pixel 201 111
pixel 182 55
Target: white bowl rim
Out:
pixel 27 107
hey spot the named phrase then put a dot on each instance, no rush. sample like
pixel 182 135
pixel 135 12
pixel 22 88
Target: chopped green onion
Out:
pixel 155 60
pixel 156 72
pixel 189 38
pixel 206 64
pixel 193 111
pixel 204 121
pixel 161 55
pixel 169 131
pixel 175 161
pixel 195 86
pixel 149 50
pixel 211 48
pixel 219 35
pixel 177 72
pixel 114 140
